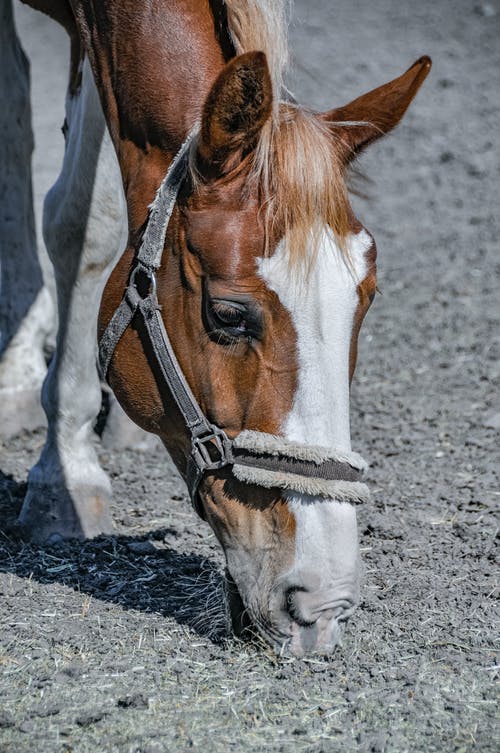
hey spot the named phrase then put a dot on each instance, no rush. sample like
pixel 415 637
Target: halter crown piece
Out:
pixel 255 457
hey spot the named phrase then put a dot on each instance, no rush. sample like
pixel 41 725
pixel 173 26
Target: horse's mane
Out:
pixel 298 168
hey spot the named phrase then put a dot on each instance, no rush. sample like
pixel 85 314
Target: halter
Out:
pixel 255 457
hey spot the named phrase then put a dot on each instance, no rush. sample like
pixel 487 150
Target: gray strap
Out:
pixel 337 470
pixel 211 448
pixel 170 369
pixel 153 240
pixel 119 322
pixel 150 252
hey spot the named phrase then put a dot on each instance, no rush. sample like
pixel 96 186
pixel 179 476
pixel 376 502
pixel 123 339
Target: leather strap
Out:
pixel 120 321
pixel 326 470
pixel 153 240
pixel 148 257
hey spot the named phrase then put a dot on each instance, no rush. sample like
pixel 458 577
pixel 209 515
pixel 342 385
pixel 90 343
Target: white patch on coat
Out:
pixel 322 308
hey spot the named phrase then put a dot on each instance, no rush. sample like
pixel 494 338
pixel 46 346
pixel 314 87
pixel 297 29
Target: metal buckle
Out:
pixel 216 440
pixel 149 275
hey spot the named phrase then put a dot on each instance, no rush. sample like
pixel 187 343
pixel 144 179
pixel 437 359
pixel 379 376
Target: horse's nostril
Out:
pixel 295 607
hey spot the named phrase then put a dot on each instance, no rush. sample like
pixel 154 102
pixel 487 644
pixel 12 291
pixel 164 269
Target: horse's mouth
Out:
pixel 293 640
pixel 239 616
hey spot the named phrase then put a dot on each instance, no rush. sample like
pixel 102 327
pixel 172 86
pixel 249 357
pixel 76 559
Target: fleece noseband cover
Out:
pixel 305 469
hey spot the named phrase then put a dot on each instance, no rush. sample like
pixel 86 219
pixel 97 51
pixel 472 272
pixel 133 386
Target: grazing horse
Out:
pixel 229 325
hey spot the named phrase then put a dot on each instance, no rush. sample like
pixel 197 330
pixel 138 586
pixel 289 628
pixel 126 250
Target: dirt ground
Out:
pixel 120 644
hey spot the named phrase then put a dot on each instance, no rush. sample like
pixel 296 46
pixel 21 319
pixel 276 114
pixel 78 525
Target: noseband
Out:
pixel 255 457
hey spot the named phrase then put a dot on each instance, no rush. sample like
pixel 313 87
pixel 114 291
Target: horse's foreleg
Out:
pixel 68 492
pixel 26 311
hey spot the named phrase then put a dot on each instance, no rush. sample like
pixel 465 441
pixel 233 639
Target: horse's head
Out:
pixel 265 280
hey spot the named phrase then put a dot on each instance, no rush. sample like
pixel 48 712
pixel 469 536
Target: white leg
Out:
pixel 26 311
pixel 84 226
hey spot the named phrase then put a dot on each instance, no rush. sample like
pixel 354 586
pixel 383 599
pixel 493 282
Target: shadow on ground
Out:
pixel 137 572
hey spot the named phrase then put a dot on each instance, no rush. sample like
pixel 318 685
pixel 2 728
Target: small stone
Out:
pixel 61 677
pixel 135 701
pixel 492 420
pixel 28 727
pixel 43 712
pixel 6 719
pixel 446 157
pixel 485 9
pixel 90 717
pixel 141 547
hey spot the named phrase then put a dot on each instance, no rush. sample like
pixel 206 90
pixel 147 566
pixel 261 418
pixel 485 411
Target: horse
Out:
pixel 229 324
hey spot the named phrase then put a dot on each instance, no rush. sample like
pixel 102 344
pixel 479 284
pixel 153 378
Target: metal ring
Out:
pixel 149 273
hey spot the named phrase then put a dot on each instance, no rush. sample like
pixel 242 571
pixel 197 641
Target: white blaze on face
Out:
pixel 322 308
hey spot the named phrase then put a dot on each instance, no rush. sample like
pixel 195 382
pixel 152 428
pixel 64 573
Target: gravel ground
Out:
pixel 120 644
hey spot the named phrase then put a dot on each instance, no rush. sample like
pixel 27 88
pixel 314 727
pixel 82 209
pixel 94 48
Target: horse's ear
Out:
pixel 237 106
pixel 376 113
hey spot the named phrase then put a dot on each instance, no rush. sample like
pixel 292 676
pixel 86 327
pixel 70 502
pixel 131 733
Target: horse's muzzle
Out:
pixel 312 619
pixel 298 622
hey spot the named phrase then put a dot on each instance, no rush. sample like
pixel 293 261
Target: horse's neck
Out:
pixel 154 63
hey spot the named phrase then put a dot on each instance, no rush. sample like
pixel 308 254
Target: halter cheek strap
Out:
pixel 148 257
pixel 255 457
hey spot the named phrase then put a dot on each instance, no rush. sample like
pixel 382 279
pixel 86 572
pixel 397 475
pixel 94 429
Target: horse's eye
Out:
pixel 229 314
pixel 229 320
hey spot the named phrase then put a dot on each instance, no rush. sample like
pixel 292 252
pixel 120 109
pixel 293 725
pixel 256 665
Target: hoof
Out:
pixel 50 514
